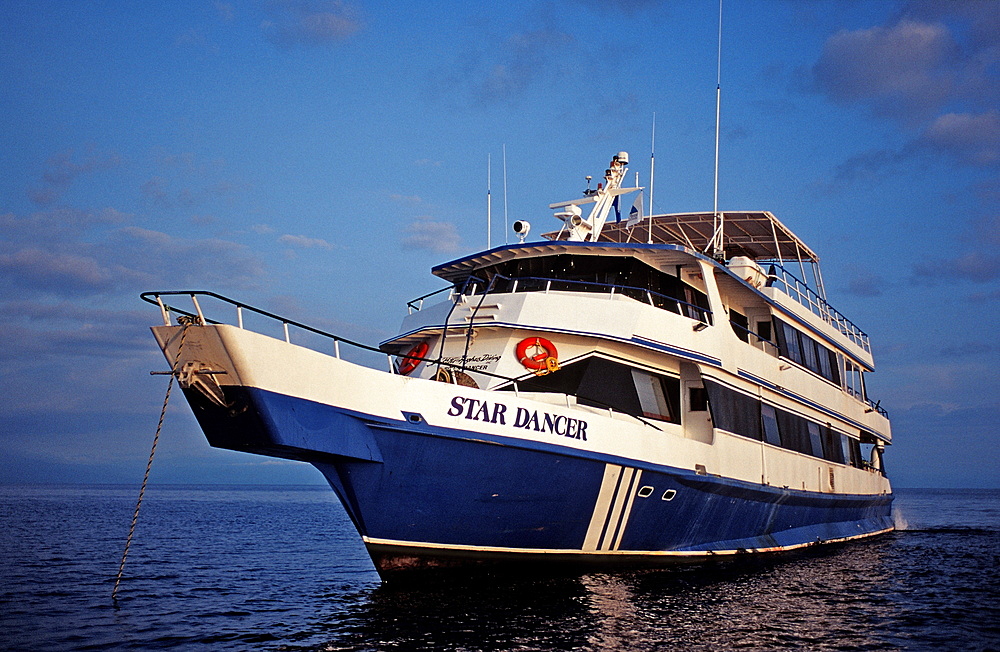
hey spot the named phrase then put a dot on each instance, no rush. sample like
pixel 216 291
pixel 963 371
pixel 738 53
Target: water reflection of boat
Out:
pixel 636 391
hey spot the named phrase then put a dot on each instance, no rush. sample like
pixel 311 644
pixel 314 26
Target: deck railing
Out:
pixel 197 314
pixel 788 283
pixel 501 284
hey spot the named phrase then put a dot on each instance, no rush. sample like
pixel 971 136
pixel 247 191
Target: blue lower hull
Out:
pixel 421 495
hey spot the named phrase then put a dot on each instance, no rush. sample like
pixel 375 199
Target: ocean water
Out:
pixel 281 568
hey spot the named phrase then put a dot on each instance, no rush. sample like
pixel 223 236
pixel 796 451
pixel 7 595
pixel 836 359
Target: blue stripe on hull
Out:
pixel 414 484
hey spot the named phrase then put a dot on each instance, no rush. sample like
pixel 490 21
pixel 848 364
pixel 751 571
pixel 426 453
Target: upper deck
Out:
pixel 755 235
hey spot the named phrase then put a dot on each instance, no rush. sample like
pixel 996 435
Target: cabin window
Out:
pixel 764 330
pixel 697 399
pixel 823 358
pixel 658 395
pixel 815 439
pixel 599 274
pixel 734 411
pixel 770 422
pixel 832 448
pixel 740 325
pixel 809 353
pixel 804 350
pixel 794 432
pixel 853 379
pixel 602 383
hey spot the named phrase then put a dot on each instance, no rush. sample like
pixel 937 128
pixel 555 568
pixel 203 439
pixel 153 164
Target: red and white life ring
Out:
pixel 538 354
pixel 411 360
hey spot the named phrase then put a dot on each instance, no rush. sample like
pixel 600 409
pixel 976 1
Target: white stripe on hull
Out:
pixel 612 509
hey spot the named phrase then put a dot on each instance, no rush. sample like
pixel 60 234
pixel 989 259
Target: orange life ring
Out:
pixel 410 362
pixel 543 358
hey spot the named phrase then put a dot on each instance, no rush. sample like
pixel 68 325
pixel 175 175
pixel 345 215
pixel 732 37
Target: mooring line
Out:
pixel 149 464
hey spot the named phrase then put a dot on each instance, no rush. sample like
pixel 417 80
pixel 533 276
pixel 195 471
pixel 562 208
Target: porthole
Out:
pixel 645 492
pixel 669 494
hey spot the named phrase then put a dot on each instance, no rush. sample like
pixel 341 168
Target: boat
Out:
pixel 623 391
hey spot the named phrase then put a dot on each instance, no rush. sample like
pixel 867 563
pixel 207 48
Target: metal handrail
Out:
pixel 704 314
pixel 416 305
pixel 761 340
pixel 808 297
pixel 155 298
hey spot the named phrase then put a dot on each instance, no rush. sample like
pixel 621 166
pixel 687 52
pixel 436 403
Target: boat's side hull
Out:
pixel 423 495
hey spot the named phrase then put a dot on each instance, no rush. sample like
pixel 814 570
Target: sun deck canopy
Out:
pixel 756 234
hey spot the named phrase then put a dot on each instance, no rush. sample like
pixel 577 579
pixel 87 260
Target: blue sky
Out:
pixel 317 158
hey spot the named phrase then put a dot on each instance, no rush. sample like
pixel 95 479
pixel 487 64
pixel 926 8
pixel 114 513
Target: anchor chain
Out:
pixel 186 323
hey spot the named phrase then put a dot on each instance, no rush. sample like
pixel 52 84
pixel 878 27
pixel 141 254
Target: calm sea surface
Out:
pixel 281 568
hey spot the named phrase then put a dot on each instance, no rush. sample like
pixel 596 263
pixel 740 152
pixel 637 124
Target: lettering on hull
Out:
pixel 534 420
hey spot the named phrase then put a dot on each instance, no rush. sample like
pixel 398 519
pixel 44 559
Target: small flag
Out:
pixel 635 215
pixel 618 213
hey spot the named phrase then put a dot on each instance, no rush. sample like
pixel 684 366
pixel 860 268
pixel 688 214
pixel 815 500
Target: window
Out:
pixel 815 439
pixel 794 433
pixel 740 325
pixel 575 273
pixel 764 330
pixel 658 395
pixel 853 379
pixel 734 411
pixel 832 449
pixel 599 382
pixel 804 350
pixel 697 399
pixel 823 358
pixel 809 353
pixel 791 337
pixel 770 421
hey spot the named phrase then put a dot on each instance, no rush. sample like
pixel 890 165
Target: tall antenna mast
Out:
pixel 716 243
pixel 489 203
pixel 652 165
pixel 505 227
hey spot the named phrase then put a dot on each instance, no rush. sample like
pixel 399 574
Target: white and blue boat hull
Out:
pixel 425 495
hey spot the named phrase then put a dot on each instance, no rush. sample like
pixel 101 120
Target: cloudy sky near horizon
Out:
pixel 316 158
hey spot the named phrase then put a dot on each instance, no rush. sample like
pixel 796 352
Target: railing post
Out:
pixel 164 311
pixel 392 368
pixel 336 348
pixel 197 308
pixel 288 340
pixel 239 316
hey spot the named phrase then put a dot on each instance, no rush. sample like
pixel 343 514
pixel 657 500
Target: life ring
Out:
pixel 411 360
pixel 543 358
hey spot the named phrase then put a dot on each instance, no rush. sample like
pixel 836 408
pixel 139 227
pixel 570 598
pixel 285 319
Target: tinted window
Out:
pixel 657 395
pixel 733 411
pixel 770 421
pixel 602 383
pixel 815 439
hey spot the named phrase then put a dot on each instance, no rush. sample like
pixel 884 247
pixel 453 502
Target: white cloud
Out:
pixel 304 242
pixel 310 23
pixel 905 71
pixel 973 139
pixel 63 168
pixel 427 233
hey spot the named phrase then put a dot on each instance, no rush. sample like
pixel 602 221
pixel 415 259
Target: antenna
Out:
pixel 716 243
pixel 505 228
pixel 652 165
pixel 489 202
